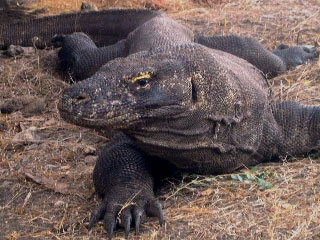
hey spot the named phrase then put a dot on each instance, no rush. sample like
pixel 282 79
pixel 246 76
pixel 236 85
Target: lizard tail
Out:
pixel 296 131
pixel 104 27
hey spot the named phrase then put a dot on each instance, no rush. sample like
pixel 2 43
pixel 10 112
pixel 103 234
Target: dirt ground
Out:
pixel 46 191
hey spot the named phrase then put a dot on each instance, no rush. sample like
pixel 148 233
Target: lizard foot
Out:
pixel 297 55
pixel 132 211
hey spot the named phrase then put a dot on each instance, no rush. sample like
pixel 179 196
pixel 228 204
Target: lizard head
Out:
pixel 172 99
pixel 129 92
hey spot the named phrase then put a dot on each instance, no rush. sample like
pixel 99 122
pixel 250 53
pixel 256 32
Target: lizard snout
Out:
pixel 74 95
pixel 72 99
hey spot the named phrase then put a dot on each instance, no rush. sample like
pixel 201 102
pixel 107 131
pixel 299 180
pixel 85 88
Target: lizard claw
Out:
pixel 97 215
pixel 110 211
pixel 137 213
pixel 109 225
pixel 155 209
pixel 126 220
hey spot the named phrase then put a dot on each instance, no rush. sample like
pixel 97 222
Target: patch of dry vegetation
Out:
pixel 58 6
pixel 196 207
pixel 301 84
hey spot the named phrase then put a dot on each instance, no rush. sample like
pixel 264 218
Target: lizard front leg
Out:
pixel 122 177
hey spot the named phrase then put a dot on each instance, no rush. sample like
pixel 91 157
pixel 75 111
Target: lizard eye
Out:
pixel 143 82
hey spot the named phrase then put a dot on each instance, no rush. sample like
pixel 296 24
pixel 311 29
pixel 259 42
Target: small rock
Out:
pixel 27 136
pixel 32 146
pixel 90 159
pixel 5 184
pixel 3 127
pixel 287 206
pixel 37 11
pixel 15 50
pixel 207 192
pixel 292 18
pixel 5 4
pixel 152 6
pixel 59 203
pixel 66 167
pixel 267 17
pixel 306 12
pixel 89 150
pixel 50 122
pixel 51 166
pixel 16 115
pixel 17 2
pixel 27 104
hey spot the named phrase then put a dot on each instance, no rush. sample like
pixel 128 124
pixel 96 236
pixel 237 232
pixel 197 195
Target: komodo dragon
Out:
pixel 175 98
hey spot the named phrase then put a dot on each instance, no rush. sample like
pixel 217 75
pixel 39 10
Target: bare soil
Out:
pixel 46 191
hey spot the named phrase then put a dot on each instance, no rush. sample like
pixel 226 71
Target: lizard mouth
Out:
pixel 122 116
pixel 118 122
pixel 86 115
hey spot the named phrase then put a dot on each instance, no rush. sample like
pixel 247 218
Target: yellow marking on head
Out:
pixel 141 76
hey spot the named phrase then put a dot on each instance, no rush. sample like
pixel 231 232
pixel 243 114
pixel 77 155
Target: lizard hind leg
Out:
pixel 81 58
pixel 72 54
pixel 296 55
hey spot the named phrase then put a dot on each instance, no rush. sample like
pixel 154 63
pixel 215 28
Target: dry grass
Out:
pixel 58 6
pixel 197 207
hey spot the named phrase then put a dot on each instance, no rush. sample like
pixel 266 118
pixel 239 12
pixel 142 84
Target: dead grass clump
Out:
pixel 36 74
pixel 171 6
pixel 59 6
pixel 209 3
pixel 301 84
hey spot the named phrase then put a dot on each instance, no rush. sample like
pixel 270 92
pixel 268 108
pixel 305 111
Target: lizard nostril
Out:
pixel 81 97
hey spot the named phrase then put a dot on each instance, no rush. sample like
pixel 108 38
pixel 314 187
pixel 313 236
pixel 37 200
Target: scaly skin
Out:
pixel 104 27
pixel 203 110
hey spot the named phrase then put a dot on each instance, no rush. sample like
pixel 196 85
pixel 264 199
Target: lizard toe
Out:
pixel 125 221
pixel 97 215
pixel 109 222
pixel 138 215
pixel 154 209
